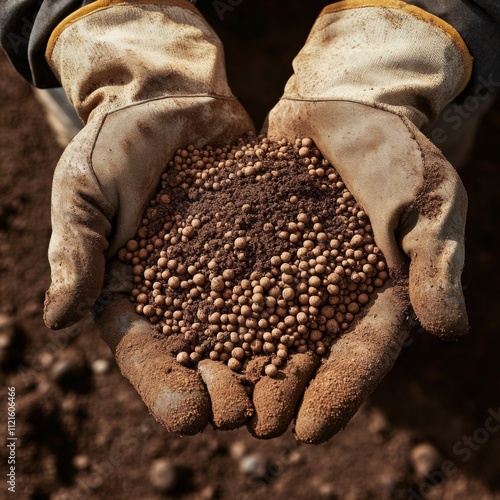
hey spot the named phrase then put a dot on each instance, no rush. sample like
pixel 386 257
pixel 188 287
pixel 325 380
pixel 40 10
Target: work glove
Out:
pixel 369 76
pixel 146 78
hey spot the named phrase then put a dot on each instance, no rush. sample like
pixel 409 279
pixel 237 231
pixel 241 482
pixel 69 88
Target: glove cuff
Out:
pixel 383 53
pixel 113 53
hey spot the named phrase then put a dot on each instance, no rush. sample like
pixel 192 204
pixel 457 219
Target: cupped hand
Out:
pixel 102 184
pixel 362 86
pixel 146 80
pixel 417 206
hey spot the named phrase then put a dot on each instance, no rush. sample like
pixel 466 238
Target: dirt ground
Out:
pixel 83 433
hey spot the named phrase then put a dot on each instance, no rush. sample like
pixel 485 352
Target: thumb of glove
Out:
pixel 81 217
pixel 433 238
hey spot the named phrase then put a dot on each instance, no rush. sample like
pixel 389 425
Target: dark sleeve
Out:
pixel 25 28
pixel 26 25
pixel 478 22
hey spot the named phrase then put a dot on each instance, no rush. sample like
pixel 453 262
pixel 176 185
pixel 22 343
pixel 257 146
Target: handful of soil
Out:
pixel 252 249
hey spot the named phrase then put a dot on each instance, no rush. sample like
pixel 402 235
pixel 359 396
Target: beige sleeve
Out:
pixel 110 54
pixel 383 53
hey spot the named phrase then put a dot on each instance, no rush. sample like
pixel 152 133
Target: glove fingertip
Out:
pixel 275 399
pixel 444 316
pixel 231 406
pixel 439 303
pixel 77 278
pixel 64 307
pixel 72 294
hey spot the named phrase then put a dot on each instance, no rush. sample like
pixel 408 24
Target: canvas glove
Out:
pixel 369 76
pixel 146 78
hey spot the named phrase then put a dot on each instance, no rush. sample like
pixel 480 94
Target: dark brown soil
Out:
pixel 85 434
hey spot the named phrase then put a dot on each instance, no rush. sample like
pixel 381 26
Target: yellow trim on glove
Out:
pixel 419 13
pixel 106 4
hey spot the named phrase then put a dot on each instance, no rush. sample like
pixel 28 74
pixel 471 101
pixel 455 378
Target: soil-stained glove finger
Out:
pixel 231 406
pixel 175 395
pixel 433 238
pixel 275 398
pixel 358 361
pixel 81 224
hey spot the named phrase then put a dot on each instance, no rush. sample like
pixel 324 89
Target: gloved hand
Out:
pixel 369 75
pixel 146 79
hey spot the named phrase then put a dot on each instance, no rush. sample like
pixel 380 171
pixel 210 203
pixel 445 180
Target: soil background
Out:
pixel 84 433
